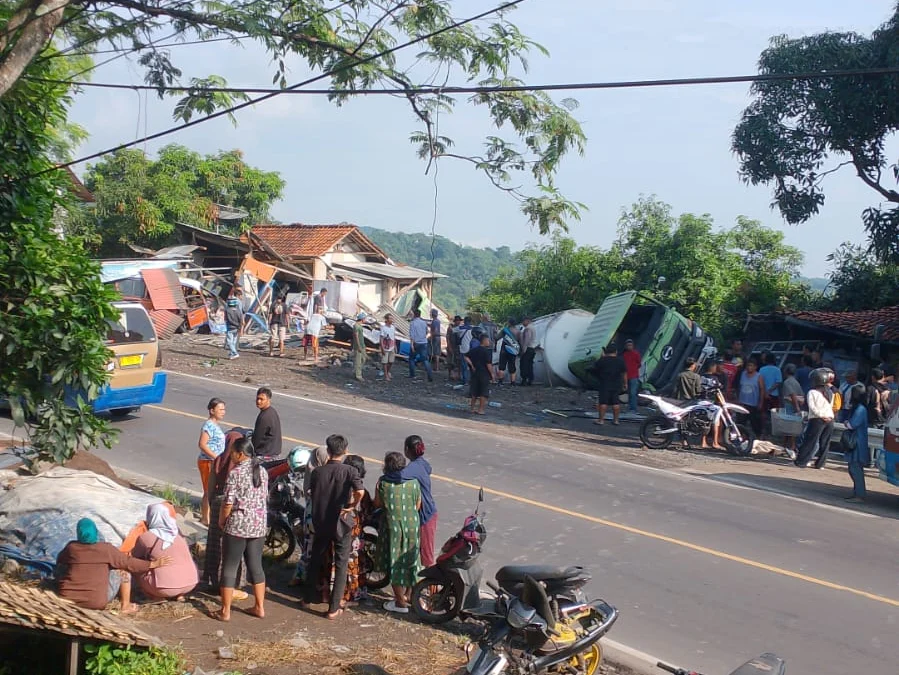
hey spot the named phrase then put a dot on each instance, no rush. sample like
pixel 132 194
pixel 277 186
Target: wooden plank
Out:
pixel 72 659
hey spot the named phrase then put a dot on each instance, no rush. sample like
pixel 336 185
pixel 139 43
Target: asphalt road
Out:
pixel 706 575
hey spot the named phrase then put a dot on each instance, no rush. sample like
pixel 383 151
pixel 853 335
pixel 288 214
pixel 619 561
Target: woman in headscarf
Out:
pixel 318 458
pixel 162 538
pixel 86 570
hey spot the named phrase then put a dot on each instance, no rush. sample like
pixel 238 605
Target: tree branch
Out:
pixel 35 27
pixel 889 195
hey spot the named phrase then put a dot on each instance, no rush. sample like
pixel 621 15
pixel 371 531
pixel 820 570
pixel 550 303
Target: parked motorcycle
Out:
pixel 696 419
pixel 452 585
pixel 286 503
pixel 533 634
pixel 374 579
pixel 766 664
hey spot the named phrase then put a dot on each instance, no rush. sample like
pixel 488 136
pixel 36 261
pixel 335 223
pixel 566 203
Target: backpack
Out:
pixel 465 342
pixel 510 344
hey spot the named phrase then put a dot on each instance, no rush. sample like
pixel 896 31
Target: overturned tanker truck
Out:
pixel 663 336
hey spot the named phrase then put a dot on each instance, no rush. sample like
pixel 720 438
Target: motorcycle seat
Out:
pixel 538 572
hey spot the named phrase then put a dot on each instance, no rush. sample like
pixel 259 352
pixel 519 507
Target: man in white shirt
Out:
pixel 819 429
pixel 418 342
pixel 388 346
pixel 313 330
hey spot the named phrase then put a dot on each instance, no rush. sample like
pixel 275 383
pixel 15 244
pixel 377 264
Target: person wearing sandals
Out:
pixel 243 521
pixel 335 490
pixel 399 546
pixel 211 444
pixel 858 454
pixel 319 457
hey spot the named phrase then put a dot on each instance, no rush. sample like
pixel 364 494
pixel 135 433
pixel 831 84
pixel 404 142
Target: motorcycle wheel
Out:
pixel 650 436
pixel 435 601
pixel 280 541
pixel 743 448
pixel 374 579
pixel 587 662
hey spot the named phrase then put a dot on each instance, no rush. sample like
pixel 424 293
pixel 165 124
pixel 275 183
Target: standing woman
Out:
pixel 212 444
pixel 399 545
pixel 860 456
pixel 419 469
pixel 242 519
pixel 752 395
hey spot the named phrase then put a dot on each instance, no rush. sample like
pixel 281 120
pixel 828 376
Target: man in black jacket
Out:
pixel 267 432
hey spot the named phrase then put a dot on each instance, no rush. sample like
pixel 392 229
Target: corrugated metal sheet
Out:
pixel 166 322
pixel 164 289
pixel 37 609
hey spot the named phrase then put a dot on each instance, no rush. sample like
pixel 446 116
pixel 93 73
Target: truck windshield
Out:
pixel 133 325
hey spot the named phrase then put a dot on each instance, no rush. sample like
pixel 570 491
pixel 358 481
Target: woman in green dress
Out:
pixel 398 541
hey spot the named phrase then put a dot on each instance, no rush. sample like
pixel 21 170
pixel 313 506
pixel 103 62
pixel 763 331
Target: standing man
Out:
pixel 528 344
pixel 634 361
pixel 803 373
pixel 463 335
pixel 480 360
pixel 509 347
pixel 359 346
pixel 277 324
pixel 490 330
pixel 849 381
pixel 388 346
pixel 736 347
pixel 320 302
pixel 688 386
pixel 418 338
pixel 435 335
pixel 267 431
pixel 611 372
pixel 334 491
pixel 234 324
pixel 452 347
pixel 816 437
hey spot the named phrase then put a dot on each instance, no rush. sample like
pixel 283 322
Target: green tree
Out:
pixel 468 269
pixel 53 303
pixel 348 42
pixel 139 200
pixel 859 281
pixel 712 276
pixel 798 131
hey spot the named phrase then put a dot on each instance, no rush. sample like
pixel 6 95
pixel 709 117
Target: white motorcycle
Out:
pixel 695 419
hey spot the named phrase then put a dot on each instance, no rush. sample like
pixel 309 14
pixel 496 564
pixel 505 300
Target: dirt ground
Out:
pixel 290 641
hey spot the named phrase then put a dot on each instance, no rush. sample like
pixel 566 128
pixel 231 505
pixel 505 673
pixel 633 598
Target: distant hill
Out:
pixel 815 283
pixel 468 269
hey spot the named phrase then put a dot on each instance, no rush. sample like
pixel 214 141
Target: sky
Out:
pixel 355 163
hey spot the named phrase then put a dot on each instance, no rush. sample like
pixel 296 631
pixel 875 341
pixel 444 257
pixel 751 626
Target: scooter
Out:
pixel 286 507
pixel 451 587
pixel 766 664
pixel 533 633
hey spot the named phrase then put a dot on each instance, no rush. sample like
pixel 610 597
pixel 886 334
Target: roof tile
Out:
pixel 302 241
pixel 857 323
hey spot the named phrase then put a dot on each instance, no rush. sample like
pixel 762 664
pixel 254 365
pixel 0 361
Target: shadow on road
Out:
pixel 877 503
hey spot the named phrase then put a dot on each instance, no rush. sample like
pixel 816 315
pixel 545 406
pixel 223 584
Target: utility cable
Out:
pixel 316 78
pixel 493 89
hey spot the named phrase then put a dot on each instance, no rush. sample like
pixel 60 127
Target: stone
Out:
pixel 340 649
pixel 227 653
pixel 220 633
pixel 299 641
pixel 10 568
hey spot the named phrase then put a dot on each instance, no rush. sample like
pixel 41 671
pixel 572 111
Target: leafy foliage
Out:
pixel 714 277
pixel 347 41
pixel 468 269
pixel 139 200
pixel 859 281
pixel 53 304
pixel 796 132
pixel 109 659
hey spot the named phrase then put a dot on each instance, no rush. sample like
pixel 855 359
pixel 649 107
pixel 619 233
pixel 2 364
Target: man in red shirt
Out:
pixel 633 361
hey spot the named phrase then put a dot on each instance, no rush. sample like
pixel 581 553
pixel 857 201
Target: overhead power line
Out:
pixel 487 89
pixel 278 92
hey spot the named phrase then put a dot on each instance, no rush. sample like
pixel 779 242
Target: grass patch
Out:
pixel 173 495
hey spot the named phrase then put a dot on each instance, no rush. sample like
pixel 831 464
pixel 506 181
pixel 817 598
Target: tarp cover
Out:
pixel 38 513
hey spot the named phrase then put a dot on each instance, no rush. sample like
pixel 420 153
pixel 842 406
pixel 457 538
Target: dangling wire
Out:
pixel 435 156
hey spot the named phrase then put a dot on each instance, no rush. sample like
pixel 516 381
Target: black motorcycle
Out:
pixel 766 664
pixel 286 508
pixel 533 633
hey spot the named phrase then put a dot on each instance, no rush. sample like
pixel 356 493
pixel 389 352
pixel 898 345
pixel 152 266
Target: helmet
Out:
pixel 820 377
pixel 360 316
pixel 298 457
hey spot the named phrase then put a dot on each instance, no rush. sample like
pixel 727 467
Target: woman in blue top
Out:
pixel 418 468
pixel 211 444
pixel 860 457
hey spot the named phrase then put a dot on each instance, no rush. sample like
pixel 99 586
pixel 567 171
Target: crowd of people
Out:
pixel 91 572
